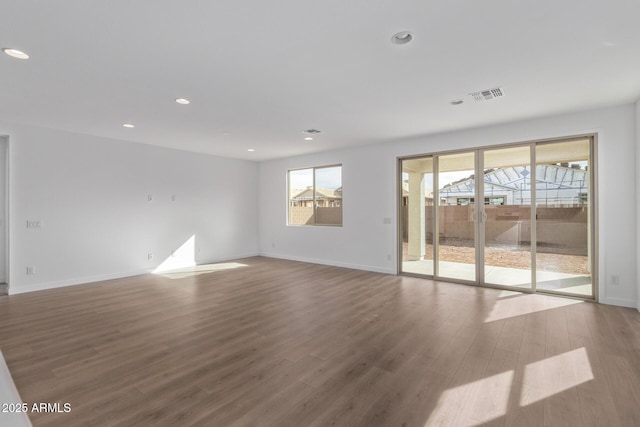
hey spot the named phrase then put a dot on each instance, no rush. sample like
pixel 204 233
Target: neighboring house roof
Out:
pixel 519 178
pixel 321 193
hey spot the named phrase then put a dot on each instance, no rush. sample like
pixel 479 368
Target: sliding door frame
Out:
pixel 479 230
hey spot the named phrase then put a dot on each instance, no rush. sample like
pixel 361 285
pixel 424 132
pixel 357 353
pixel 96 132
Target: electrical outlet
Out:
pixel 149 197
pixel 614 280
pixel 388 257
pixel 149 256
pixel 34 223
pixel 31 270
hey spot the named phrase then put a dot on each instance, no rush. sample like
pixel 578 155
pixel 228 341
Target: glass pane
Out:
pixel 417 216
pixel 329 196
pixel 507 214
pixel 456 214
pixel 563 218
pixel 301 197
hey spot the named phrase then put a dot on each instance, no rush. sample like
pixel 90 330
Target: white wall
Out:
pixel 369 182
pixel 91 195
pixel 638 201
pixel 3 219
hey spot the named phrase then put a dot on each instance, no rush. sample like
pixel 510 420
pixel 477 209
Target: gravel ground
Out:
pixel 505 256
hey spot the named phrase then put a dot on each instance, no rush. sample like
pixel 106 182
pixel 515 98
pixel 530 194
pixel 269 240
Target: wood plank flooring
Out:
pixel 282 343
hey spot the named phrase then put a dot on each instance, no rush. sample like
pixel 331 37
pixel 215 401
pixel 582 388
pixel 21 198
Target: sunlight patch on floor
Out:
pixel 197 270
pixel 486 399
pixel 525 304
pixel 559 373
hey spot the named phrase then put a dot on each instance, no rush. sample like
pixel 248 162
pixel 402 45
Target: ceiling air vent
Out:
pixel 486 95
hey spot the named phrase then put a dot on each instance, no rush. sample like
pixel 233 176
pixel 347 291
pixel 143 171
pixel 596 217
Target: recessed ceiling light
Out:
pixel 15 53
pixel 403 37
pixel 183 101
pixel 128 125
pixel 456 102
pixel 251 150
pixel 308 138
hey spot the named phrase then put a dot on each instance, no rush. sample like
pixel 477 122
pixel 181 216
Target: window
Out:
pixel 315 196
pixel 496 201
pixel 466 201
pixel 583 198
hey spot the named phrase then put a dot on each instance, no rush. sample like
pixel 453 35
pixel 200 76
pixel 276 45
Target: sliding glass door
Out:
pixel 417 216
pixel 507 216
pixel 517 216
pixel 456 216
pixel 563 233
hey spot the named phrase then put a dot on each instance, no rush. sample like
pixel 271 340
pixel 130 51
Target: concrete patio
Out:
pixel 569 283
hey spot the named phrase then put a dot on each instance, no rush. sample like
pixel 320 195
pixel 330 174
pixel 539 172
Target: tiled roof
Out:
pixel 321 193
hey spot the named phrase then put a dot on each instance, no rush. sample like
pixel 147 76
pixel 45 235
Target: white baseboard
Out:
pixel 88 280
pixel 15 290
pixel 620 302
pixel 376 269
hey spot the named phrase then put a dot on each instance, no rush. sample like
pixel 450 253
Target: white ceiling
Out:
pixel 259 72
